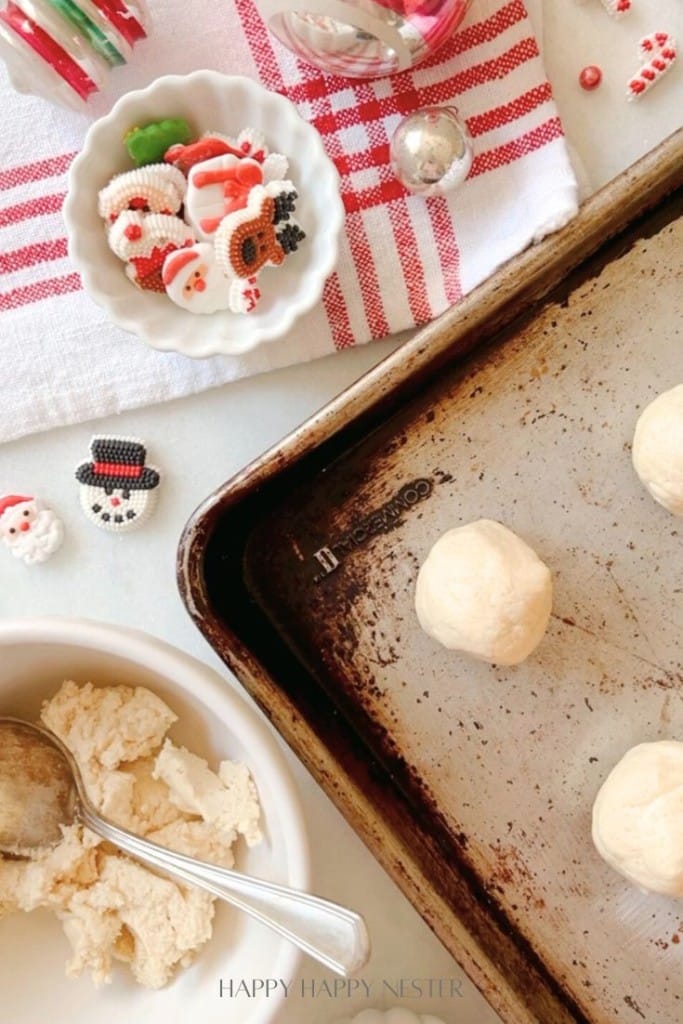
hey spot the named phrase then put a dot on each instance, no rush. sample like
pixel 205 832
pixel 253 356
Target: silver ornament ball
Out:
pixel 431 151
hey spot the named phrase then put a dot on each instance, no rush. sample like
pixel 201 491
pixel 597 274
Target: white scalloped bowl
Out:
pixel 224 103
pixel 215 721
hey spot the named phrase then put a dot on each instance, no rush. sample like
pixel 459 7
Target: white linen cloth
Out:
pixel 403 259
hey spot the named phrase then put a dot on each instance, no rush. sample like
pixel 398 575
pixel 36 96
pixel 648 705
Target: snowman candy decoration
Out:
pixel 31 531
pixel 118 491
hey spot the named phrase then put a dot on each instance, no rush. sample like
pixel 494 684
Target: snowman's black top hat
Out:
pixel 118 462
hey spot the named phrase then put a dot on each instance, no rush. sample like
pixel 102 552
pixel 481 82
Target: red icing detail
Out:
pixel 116 469
pixel 185 157
pixel 237 182
pixel 660 65
pixel 177 263
pixel 200 284
pixel 661 37
pixel 636 86
pixel 248 174
pixel 590 77
pixel 145 266
pixel 114 501
pixel 137 203
pixel 209 224
pixel 217 176
pixel 12 499
pixel 649 74
pixel 133 232
pixel 24 527
pixel 669 54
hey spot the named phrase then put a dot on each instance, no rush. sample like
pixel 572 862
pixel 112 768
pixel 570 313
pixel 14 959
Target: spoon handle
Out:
pixel 332 934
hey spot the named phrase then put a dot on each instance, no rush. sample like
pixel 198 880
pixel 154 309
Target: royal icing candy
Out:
pixel 30 530
pixel 209 146
pixel 194 281
pixel 149 143
pixel 144 241
pixel 217 187
pixel 249 143
pixel 245 240
pixel 659 52
pixel 289 236
pixel 590 77
pixel 155 188
pixel 244 295
pixel 117 490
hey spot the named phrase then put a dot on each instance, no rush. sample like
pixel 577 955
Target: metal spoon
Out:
pixel 41 788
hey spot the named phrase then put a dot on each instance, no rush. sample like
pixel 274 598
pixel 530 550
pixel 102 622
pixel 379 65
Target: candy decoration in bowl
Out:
pixel 363 38
pixel 397 1015
pixel 63 50
pixel 244 175
pixel 431 151
pixel 227 201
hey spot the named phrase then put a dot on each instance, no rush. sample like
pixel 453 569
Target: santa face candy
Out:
pixel 118 491
pixel 31 531
pixel 194 281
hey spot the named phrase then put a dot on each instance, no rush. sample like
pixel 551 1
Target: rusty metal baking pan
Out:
pixel 473 785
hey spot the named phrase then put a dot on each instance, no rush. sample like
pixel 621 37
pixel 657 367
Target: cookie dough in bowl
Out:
pixel 658 449
pixel 218 724
pixel 482 590
pixel 638 817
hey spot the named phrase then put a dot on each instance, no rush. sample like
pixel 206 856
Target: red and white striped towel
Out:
pixel 403 259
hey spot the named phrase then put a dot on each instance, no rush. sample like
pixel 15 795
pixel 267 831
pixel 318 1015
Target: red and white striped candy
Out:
pixel 659 50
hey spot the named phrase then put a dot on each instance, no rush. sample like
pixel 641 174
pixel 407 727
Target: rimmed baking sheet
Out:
pixel 474 784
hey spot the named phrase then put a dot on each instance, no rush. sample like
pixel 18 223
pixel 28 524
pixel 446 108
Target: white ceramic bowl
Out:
pixel 227 104
pixel 36 656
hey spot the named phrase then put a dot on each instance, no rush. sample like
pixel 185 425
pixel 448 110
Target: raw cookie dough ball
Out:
pixel 658 449
pixel 638 817
pixel 484 591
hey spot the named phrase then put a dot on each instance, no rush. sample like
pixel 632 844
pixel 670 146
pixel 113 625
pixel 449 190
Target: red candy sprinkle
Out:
pixel 590 77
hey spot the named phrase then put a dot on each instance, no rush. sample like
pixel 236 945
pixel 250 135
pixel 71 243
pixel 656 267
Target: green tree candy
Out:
pixel 148 144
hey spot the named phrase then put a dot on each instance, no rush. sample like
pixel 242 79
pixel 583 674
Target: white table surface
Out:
pixel 201 441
